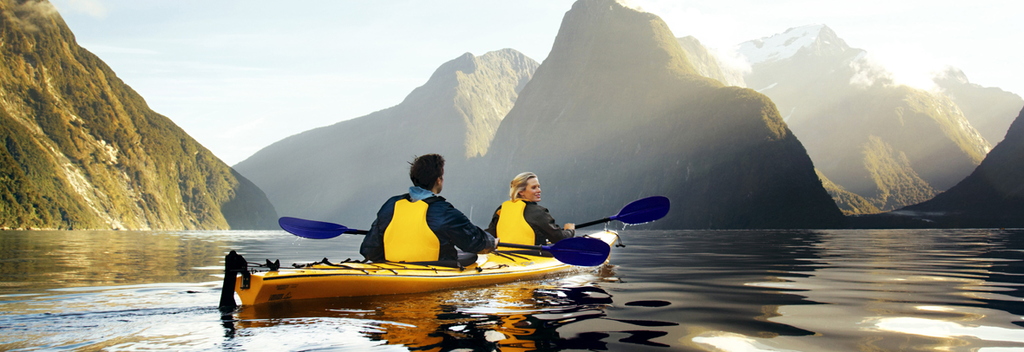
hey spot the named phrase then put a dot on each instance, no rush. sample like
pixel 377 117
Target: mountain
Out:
pixel 890 144
pixel 82 150
pixel 344 171
pixel 848 202
pixel 989 109
pixel 617 112
pixel 991 196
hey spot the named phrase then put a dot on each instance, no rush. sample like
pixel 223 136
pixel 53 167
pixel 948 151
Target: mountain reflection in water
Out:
pixel 878 290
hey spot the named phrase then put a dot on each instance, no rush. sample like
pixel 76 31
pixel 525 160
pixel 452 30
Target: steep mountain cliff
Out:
pixel 992 196
pixel 344 171
pixel 617 112
pixel 893 145
pixel 82 150
pixel 989 109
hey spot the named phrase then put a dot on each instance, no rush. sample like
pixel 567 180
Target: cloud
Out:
pixel 734 66
pixel 92 8
pixel 912 66
pixel 908 68
pixel 867 71
pixel 629 4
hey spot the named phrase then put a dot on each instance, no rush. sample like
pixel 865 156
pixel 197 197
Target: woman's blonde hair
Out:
pixel 519 184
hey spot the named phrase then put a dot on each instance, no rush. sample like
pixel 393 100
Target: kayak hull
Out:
pixel 370 279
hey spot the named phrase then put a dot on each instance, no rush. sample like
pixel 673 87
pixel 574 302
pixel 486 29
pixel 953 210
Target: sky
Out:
pixel 240 75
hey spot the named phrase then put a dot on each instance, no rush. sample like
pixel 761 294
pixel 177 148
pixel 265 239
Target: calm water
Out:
pixel 889 290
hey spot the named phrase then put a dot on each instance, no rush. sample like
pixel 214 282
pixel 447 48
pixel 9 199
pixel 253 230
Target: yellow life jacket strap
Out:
pixel 512 226
pixel 408 238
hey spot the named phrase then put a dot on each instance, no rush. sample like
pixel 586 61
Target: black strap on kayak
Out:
pixel 464 260
pixel 233 265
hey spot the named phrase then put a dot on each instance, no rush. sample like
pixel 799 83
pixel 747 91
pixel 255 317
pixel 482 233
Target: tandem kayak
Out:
pixel 270 283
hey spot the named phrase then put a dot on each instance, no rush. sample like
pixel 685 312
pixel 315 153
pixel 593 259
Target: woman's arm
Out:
pixel 541 221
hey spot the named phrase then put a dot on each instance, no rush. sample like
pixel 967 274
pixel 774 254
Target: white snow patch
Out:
pixel 780 46
pixel 786 118
pixel 770 86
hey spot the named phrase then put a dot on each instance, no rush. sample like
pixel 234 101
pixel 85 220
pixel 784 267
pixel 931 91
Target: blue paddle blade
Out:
pixel 582 251
pixel 643 210
pixel 310 228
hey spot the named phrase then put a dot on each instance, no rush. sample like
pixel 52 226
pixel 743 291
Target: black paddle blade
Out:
pixel 643 210
pixel 310 228
pixel 582 251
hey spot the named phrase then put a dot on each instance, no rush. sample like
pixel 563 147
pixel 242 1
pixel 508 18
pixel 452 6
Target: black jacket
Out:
pixel 451 227
pixel 544 227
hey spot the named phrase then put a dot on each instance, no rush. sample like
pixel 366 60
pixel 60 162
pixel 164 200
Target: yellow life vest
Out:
pixel 408 238
pixel 512 225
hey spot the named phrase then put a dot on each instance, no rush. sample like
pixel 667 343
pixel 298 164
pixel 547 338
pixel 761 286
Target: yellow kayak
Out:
pixel 349 279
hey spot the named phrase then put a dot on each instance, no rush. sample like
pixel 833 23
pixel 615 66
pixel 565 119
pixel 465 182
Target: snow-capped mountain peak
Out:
pixel 781 46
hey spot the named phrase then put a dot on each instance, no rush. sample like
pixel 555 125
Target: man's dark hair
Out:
pixel 425 170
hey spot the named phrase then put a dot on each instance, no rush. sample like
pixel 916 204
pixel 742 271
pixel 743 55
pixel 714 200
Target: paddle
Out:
pixel 639 211
pixel 580 251
pixel 317 230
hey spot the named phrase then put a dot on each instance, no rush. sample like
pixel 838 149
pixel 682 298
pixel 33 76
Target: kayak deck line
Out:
pixel 263 283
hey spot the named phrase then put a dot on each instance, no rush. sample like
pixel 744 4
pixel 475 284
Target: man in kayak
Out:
pixel 522 221
pixel 420 225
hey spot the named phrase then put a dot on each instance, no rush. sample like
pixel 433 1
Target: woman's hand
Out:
pixel 569 226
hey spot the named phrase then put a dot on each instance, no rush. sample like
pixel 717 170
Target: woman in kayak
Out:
pixel 521 220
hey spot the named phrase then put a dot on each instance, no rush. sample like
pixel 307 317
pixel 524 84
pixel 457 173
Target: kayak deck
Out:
pixel 350 279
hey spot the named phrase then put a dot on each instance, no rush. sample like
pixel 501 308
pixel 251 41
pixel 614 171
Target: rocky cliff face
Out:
pixel 83 151
pixel 893 145
pixel 344 171
pixel 617 112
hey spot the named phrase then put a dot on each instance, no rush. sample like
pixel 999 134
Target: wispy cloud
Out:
pixel 92 8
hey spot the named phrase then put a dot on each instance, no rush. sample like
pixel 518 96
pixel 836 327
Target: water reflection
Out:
pixel 925 289
pixel 957 290
pixel 523 316
pixel 31 261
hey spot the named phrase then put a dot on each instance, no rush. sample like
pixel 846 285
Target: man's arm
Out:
pixel 372 247
pixel 462 233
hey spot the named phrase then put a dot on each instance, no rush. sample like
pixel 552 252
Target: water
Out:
pixel 855 290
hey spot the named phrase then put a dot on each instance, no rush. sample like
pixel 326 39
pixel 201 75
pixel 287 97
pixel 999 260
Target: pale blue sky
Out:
pixel 240 75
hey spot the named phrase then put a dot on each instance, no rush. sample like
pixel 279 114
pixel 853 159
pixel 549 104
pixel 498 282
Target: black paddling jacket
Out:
pixel 544 227
pixel 451 227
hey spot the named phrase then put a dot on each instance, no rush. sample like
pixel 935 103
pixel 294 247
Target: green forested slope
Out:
pixel 83 150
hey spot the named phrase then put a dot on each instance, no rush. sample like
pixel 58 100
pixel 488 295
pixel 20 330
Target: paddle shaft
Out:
pixel 595 222
pixel 520 246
